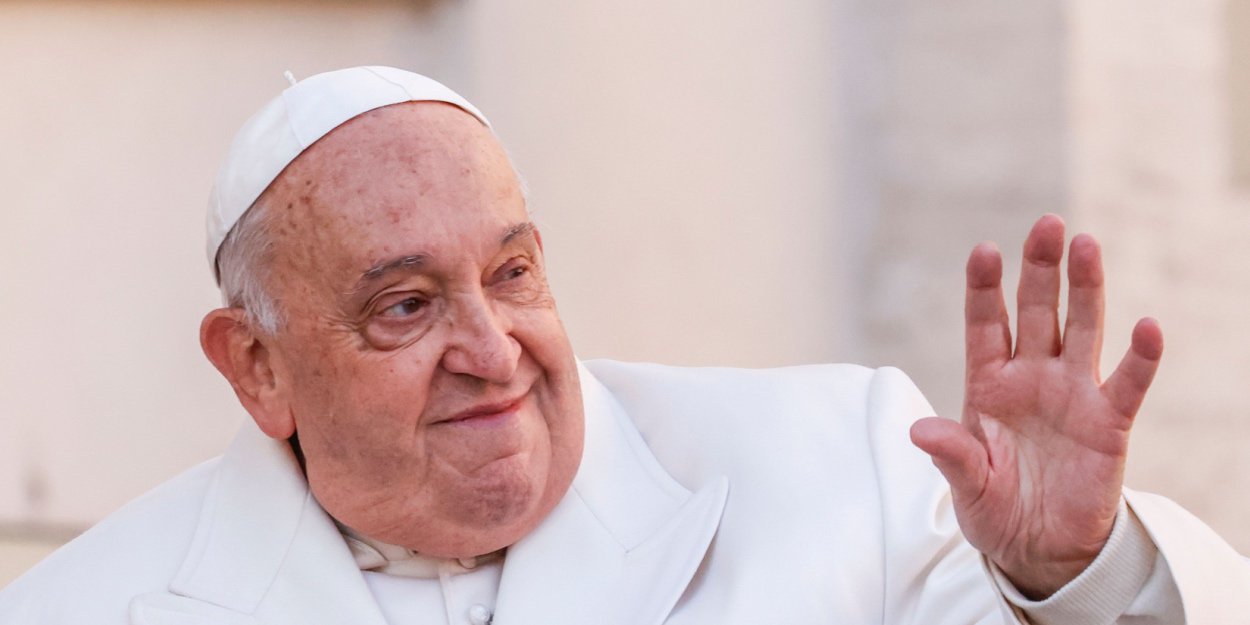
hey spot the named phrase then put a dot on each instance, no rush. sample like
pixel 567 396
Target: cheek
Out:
pixel 352 403
pixel 542 337
pixel 542 334
pixel 567 429
pixel 561 396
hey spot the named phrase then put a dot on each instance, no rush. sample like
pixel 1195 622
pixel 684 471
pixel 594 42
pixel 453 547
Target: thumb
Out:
pixel 957 454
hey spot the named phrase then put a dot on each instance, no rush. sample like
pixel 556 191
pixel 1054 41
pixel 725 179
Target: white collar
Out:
pixel 371 554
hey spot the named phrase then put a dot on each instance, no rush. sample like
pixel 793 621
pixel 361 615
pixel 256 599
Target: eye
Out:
pixel 518 267
pixel 405 308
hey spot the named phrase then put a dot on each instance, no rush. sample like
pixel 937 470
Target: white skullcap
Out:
pixel 305 112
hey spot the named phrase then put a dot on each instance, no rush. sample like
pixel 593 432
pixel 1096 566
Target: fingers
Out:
pixel 987 334
pixel 957 454
pixel 1082 333
pixel 1126 388
pixel 1037 332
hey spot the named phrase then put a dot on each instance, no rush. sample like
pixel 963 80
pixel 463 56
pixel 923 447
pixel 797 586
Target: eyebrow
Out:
pixel 412 261
pixel 516 231
pixel 383 268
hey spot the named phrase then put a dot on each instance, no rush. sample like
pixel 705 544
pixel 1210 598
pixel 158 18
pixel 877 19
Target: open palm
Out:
pixel 1036 464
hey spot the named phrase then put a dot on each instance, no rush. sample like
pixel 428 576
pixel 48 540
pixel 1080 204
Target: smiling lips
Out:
pixel 485 414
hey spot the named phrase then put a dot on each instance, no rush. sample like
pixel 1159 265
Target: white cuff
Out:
pixel 1103 591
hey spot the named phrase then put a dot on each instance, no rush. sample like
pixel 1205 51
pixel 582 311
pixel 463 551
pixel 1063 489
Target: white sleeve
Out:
pixel 1213 580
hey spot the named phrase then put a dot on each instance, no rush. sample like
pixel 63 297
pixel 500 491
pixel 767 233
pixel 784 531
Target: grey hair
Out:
pixel 244 258
pixel 243 268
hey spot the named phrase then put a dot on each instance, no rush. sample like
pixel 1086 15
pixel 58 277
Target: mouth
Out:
pixel 485 415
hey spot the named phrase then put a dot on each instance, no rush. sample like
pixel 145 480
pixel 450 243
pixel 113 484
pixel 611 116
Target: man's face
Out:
pixel 431 383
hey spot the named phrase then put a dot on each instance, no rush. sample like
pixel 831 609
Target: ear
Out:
pixel 245 361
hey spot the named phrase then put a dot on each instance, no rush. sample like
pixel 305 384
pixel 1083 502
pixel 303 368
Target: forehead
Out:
pixel 418 177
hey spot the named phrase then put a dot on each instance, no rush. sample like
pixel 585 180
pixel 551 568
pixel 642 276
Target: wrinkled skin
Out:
pixel 422 362
pixel 1036 465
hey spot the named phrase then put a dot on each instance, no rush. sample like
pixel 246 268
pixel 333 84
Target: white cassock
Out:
pixel 705 496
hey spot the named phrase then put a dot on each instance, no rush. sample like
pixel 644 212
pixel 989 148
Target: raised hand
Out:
pixel 1036 464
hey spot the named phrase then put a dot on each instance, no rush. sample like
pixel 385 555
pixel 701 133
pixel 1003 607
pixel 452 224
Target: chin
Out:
pixel 506 496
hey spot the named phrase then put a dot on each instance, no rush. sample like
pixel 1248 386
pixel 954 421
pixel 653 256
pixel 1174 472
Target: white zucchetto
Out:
pixel 302 114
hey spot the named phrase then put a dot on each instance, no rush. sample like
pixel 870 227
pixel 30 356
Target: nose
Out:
pixel 481 343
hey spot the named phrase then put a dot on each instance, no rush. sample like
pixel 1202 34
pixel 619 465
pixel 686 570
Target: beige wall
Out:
pixel 1152 112
pixel 718 183
pixel 967 131
pixel 1236 20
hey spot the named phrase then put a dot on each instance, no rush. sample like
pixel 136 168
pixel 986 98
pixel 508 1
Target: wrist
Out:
pixel 1038 573
pixel 1103 591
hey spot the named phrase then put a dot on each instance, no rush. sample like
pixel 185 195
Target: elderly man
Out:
pixel 426 448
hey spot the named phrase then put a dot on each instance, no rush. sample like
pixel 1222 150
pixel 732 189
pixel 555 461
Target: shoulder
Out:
pixel 836 417
pixel 134 550
pixel 838 395
pixel 651 377
pixel 646 389
pixel 819 462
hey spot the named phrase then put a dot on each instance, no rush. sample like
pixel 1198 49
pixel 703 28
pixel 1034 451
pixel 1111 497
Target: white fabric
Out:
pixel 1104 590
pixel 302 114
pixel 705 496
pixel 375 555
pixel 461 598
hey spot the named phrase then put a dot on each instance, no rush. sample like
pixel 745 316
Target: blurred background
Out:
pixel 732 182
